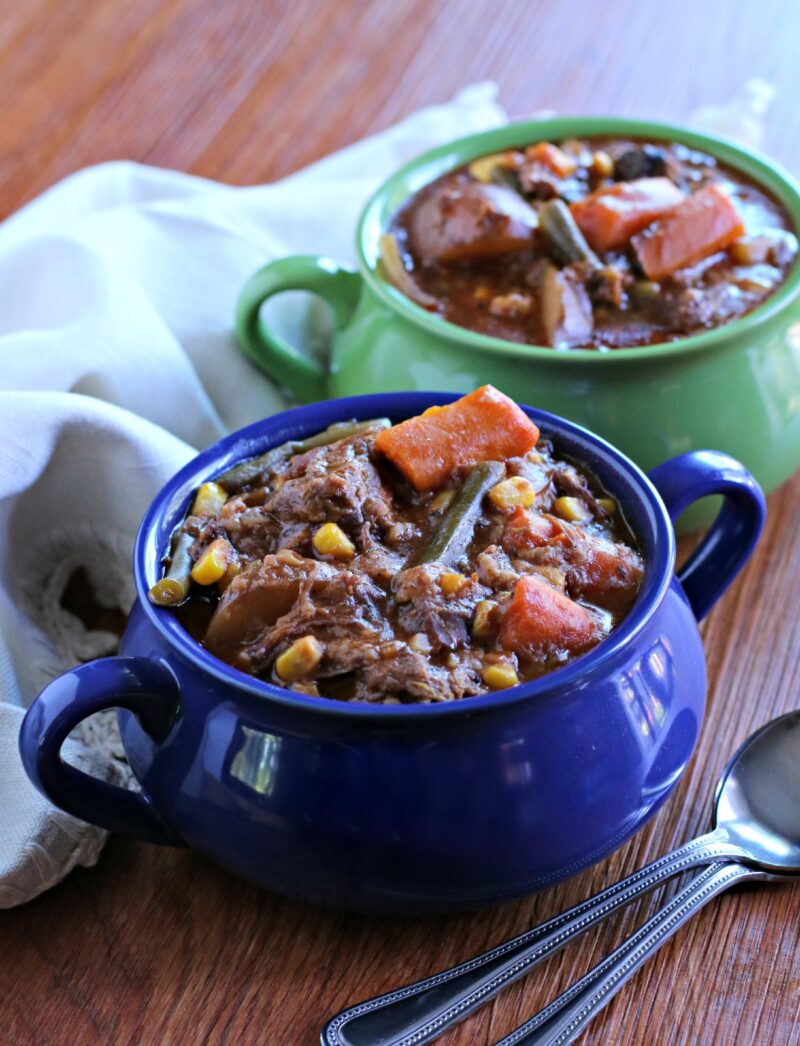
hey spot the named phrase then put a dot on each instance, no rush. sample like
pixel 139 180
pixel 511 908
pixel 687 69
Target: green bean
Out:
pixel 342 430
pixel 247 472
pixel 566 240
pixel 454 533
pixel 173 587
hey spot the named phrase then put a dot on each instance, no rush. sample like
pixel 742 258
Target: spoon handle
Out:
pixel 567 1016
pixel 417 1013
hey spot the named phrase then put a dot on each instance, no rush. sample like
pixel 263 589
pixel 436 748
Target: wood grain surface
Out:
pixel 159 946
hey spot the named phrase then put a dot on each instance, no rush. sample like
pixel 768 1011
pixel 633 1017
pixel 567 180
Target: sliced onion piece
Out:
pixel 391 262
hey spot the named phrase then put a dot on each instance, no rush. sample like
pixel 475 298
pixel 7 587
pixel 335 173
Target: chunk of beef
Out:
pixel 337 483
pixel 609 286
pixel 343 610
pixel 539 182
pixel 403 672
pixel 349 654
pixel 379 563
pixel 537 472
pixel 568 480
pixel 501 574
pixel 421 605
pixel 253 531
pixel 495 569
pixel 707 307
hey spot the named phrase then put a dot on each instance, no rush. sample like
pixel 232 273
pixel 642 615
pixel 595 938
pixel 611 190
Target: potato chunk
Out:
pixel 462 223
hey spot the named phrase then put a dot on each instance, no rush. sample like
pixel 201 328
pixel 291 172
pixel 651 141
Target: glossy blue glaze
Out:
pixel 407 808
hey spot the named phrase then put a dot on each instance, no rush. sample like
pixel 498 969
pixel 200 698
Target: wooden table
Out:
pixel 158 946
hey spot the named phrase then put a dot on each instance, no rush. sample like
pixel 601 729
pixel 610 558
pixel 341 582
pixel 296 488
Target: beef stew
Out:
pixel 440 558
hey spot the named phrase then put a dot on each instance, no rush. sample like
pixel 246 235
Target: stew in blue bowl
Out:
pixel 408 806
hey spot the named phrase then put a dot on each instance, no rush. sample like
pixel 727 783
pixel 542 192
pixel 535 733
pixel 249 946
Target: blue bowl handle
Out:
pixel 725 548
pixel 145 687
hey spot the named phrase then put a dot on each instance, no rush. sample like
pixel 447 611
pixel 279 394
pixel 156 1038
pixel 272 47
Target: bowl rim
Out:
pixel 752 163
pixel 171 503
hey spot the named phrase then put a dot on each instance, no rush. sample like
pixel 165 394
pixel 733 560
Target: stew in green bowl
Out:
pixel 590 243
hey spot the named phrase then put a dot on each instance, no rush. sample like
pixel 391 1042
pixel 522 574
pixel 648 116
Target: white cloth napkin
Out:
pixel 117 361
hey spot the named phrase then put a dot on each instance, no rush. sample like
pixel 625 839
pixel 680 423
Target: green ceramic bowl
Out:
pixel 736 388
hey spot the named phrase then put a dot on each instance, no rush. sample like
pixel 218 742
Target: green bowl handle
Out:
pixel 337 284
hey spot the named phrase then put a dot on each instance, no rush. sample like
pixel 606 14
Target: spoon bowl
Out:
pixel 757 802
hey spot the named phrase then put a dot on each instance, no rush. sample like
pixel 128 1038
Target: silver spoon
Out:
pixel 756 835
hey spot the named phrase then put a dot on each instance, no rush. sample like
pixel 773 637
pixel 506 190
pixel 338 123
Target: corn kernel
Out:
pixel 572 509
pixel 213 563
pixel 208 500
pixel 483 168
pixel 575 148
pixel 420 643
pixel 299 660
pixel 482 626
pixel 499 676
pixel 431 410
pixel 512 493
pixel 602 164
pixel 482 294
pixel 442 500
pixel 331 540
pixel 608 505
pixel 451 581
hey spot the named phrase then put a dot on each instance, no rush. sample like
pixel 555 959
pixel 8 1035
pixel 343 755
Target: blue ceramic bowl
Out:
pixel 407 808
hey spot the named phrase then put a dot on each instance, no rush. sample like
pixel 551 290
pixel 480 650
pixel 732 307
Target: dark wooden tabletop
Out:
pixel 159 946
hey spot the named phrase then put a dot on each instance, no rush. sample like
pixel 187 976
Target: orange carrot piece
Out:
pixel 608 218
pixel 538 617
pixel 482 426
pixel 704 223
pixel 551 157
